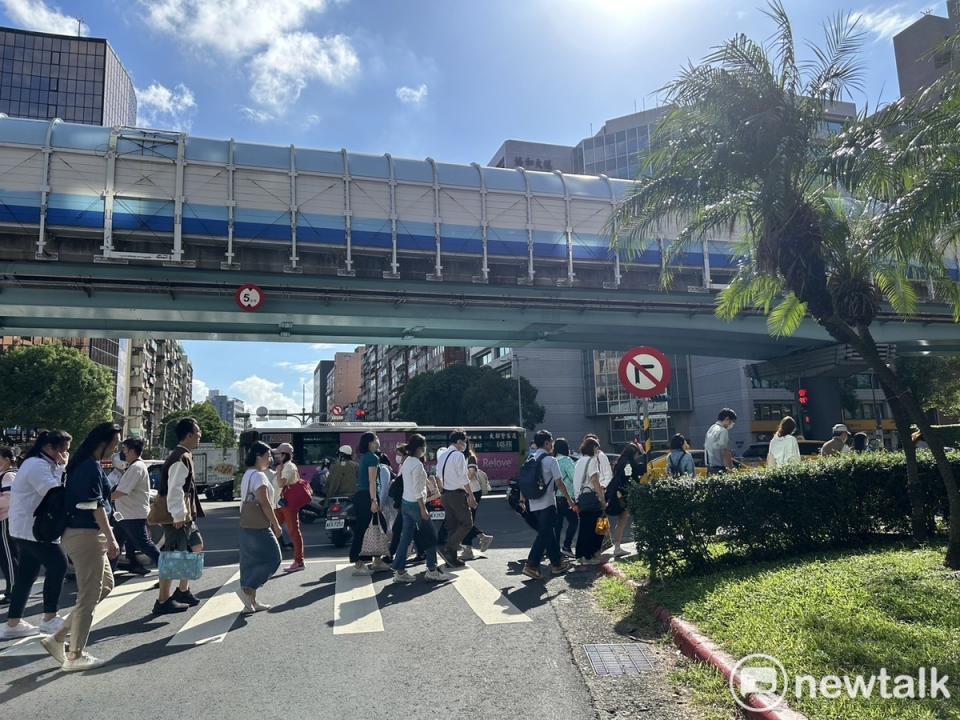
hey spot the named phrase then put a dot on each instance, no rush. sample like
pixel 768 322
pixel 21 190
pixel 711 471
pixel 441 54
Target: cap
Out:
pixel 840 428
pixel 284 448
pixel 345 450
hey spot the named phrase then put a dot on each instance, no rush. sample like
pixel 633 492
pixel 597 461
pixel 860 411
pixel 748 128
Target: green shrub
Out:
pixel 772 512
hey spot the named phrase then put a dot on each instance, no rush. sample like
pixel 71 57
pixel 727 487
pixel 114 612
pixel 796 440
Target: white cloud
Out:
pixel 884 23
pixel 412 96
pixel 301 367
pixel 255 115
pixel 282 58
pixel 328 346
pixel 158 105
pixel 256 391
pixel 200 390
pixel 37 15
pixel 283 70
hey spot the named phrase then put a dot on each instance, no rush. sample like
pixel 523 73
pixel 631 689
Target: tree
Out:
pixel 745 150
pixel 214 429
pixel 54 387
pixel 466 395
pixel 935 381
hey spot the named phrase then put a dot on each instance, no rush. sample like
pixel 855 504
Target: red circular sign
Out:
pixel 336 410
pixel 249 297
pixel 645 372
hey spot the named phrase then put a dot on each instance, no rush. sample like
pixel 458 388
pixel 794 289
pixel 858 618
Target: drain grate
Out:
pixel 616 660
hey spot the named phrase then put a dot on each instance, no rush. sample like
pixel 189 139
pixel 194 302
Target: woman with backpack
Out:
pixel 8 554
pixel 679 461
pixel 40 472
pixel 629 466
pixel 89 543
pixel 590 500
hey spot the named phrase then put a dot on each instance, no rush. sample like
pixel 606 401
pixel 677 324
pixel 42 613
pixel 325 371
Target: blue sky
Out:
pixel 447 79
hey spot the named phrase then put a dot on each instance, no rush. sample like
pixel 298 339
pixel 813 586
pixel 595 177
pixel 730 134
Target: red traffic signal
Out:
pixel 807 420
pixel 803 396
pixel 361 414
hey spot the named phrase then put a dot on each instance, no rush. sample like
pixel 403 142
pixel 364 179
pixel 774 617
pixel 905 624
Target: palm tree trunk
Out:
pixel 919 511
pixel 862 341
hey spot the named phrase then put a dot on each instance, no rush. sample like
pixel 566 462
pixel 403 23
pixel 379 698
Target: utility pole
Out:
pixel 519 396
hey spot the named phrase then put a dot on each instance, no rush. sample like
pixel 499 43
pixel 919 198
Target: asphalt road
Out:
pixel 488 645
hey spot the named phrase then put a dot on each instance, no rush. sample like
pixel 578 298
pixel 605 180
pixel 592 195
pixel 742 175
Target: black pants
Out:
pixel 136 536
pixel 588 542
pixel 32 556
pixel 546 541
pixel 573 521
pixel 361 506
pixel 8 556
pixel 474 531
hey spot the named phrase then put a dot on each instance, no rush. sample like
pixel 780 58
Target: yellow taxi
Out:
pixel 658 468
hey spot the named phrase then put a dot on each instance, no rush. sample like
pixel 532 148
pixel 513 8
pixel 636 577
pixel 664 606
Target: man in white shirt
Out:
pixel 716 446
pixel 131 502
pixel 544 510
pixel 457 498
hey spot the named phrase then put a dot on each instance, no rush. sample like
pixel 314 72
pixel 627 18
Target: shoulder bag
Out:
pixel 252 516
pixel 588 501
pixel 376 542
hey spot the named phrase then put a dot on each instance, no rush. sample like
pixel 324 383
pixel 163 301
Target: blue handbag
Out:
pixel 181 564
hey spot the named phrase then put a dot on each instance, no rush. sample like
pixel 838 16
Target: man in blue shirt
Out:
pixel 544 511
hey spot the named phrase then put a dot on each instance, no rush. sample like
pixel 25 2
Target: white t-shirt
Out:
pixel 252 481
pixel 452 470
pixel 783 450
pixel 552 475
pixel 606 472
pixel 414 480
pixel 581 474
pixel 135 483
pixel 35 478
pixel 717 440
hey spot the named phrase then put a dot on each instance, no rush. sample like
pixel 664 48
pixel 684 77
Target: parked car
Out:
pixel 756 453
pixel 658 467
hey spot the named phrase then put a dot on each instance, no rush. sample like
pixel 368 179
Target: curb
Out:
pixel 698 646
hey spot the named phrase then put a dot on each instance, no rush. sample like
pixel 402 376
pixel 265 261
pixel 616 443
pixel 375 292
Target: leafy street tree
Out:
pixel 54 387
pixel 213 428
pixel 746 150
pixel 466 395
pixel 935 381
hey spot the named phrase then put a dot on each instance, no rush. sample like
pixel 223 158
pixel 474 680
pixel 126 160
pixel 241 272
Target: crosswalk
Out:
pixel 356 604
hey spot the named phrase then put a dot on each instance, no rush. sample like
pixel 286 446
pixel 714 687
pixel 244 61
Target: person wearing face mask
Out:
pixel 366 502
pixel 717 445
pixel 131 502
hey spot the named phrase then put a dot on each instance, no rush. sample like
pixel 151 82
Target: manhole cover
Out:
pixel 615 660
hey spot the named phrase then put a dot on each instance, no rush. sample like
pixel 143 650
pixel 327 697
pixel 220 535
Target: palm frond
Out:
pixel 837 71
pixel 894 282
pixel 785 319
pixel 787 71
pixel 746 291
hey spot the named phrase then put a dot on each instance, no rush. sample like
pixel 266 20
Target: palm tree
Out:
pixel 745 151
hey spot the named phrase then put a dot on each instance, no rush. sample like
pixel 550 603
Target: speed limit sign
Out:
pixel 249 297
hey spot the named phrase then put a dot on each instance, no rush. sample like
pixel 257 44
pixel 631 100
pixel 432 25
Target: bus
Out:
pixel 500 450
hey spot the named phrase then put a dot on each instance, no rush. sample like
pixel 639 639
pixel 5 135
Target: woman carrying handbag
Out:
pixel 590 502
pixel 259 552
pixel 294 495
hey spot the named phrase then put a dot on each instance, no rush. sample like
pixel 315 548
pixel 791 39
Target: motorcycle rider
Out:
pixel 342 481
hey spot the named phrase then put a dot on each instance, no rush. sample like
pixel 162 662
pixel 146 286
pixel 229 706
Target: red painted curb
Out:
pixel 698 646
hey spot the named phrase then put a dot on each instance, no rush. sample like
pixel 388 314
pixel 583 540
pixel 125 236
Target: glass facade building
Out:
pixel 75 79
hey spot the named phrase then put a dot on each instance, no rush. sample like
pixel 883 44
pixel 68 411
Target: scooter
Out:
pixel 315 510
pixel 340 520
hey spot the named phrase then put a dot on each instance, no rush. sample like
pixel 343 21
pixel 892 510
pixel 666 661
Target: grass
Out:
pixel 829 614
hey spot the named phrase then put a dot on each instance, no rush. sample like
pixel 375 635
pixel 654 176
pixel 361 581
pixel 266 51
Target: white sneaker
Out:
pixel 485 542
pixel 403 577
pixel 359 569
pixel 52 626
pixel 84 662
pixel 22 629
pixel 247 602
pixel 466 553
pixel 378 565
pixel 437 575
pixel 55 648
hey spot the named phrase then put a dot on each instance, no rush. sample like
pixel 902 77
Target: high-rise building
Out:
pixel 161 382
pixel 77 79
pixel 388 368
pixel 921 57
pixel 320 408
pixel 343 381
pixel 228 409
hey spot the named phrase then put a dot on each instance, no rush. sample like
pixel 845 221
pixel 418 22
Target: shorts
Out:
pixel 173 537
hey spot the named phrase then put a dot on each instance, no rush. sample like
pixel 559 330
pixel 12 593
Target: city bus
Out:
pixel 499 450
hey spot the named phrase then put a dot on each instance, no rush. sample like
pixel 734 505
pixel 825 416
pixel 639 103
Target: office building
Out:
pixel 76 79
pixel 343 380
pixel 921 59
pixel 388 368
pixel 534 156
pixel 228 409
pixel 320 373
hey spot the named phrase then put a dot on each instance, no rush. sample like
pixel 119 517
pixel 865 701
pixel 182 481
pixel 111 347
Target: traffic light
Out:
pixel 806 418
pixel 804 397
pixel 361 414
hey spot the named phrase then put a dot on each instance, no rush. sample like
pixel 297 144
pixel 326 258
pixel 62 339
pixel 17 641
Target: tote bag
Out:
pixel 251 515
pixel 181 564
pixel 375 541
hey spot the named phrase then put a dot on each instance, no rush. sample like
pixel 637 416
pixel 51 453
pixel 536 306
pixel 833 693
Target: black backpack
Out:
pixel 50 517
pixel 531 480
pixel 396 490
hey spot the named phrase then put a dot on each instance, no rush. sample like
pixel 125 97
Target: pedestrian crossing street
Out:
pixel 356 603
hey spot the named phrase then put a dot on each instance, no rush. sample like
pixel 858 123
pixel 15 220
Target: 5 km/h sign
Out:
pixel 645 372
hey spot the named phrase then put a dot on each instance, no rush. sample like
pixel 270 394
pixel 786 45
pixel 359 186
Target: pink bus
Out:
pixel 499 450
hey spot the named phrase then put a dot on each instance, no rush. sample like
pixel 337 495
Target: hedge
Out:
pixel 772 512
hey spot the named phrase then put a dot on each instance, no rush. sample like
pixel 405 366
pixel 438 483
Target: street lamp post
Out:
pixel 516 358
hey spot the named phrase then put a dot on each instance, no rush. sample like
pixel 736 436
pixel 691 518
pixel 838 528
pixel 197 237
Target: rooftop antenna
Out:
pixel 634 104
pixel 591 129
pixel 79 26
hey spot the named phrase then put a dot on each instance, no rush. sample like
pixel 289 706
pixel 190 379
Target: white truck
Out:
pixel 214 468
